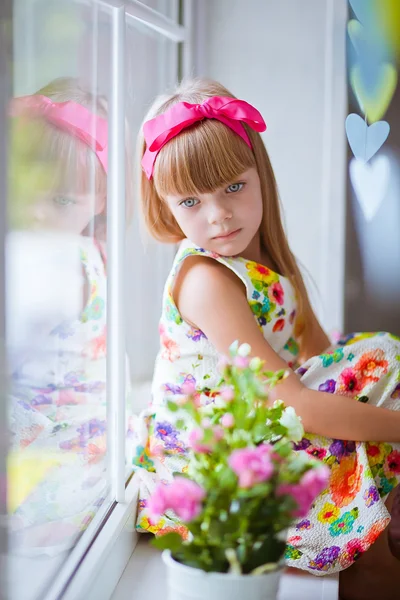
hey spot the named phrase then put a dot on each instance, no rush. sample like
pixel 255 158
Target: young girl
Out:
pixel 58 379
pixel 208 183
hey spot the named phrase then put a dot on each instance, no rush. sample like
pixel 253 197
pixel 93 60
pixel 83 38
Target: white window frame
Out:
pixel 82 576
pixel 5 87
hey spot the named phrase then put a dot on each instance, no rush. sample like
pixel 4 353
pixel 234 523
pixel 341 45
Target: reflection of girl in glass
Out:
pixel 58 387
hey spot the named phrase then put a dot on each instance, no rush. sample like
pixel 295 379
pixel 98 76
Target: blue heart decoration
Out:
pixel 365 140
pixel 369 45
pixel 364 11
pixel 372 76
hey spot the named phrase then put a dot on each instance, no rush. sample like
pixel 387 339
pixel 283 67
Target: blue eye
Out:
pixel 63 200
pixel 189 202
pixel 234 187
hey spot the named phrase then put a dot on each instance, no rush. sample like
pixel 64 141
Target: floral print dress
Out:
pixel 58 424
pixel 350 514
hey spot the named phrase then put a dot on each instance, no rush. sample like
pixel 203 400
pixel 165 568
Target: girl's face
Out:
pixel 67 212
pixel 225 221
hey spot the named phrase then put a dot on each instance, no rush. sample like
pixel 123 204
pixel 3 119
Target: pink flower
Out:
pixel 228 420
pixel 295 539
pixel 276 293
pixel 316 480
pixel 241 361
pixel 188 388
pixel 223 362
pixel 183 496
pixel 157 503
pixel 227 393
pixel 252 465
pixel 335 336
pixel 170 350
pixel 196 437
pixel 304 493
pixel 392 463
pixel 349 382
pixel 299 494
pixel 218 433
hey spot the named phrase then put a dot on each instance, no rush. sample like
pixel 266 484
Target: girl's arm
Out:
pixel 213 299
pixel 317 341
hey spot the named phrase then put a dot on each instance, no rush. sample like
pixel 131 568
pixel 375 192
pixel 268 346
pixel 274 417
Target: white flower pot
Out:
pixel 187 583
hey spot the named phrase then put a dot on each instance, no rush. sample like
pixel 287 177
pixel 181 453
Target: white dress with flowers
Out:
pixel 58 475
pixel 350 514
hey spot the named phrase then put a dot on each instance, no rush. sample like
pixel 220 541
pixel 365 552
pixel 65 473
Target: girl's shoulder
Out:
pixel 252 273
pixel 188 249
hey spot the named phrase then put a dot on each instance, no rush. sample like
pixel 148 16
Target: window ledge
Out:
pixel 96 574
pixel 145 577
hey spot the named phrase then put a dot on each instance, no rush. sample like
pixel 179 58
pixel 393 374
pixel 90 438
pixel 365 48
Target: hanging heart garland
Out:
pixel 373 79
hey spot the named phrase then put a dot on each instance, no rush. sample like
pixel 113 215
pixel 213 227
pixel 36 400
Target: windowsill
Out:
pixel 145 577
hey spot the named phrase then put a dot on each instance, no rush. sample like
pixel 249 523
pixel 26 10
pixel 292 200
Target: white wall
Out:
pixel 287 57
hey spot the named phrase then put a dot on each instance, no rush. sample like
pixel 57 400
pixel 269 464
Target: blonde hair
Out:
pixel 207 156
pixel 75 162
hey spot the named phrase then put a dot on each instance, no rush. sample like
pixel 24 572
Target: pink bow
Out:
pixel 68 116
pixel 230 111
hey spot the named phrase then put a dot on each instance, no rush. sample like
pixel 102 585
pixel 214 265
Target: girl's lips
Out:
pixel 228 235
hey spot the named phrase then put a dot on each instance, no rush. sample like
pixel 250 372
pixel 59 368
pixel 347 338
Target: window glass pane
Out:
pixel 150 71
pixel 56 259
pixel 151 66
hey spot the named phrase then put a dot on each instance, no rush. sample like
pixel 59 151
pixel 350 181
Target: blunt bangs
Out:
pixel 201 159
pixel 68 163
pixel 76 167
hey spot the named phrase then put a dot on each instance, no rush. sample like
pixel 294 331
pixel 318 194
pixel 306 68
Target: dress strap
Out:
pixel 188 248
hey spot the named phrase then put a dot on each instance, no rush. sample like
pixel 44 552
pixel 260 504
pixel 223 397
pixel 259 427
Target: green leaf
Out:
pixel 170 541
pixel 270 551
pixel 267 568
pixel 172 406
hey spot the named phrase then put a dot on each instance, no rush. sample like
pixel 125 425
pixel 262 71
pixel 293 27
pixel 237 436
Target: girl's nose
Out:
pixel 219 214
pixel 36 213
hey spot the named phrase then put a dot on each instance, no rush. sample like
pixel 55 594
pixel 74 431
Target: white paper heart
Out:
pixel 370 182
pixel 365 141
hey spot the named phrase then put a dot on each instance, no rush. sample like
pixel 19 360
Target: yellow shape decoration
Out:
pixel 25 470
pixel 356 32
pixel 375 105
pixel 388 12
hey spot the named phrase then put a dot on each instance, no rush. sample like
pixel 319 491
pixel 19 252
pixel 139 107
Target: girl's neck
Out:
pixel 254 250
pixel 257 253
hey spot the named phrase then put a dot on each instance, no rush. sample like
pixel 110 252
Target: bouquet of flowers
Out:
pixel 245 484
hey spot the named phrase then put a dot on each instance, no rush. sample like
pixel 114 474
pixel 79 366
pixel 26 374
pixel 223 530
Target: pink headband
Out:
pixel 230 111
pixel 68 116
